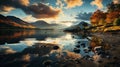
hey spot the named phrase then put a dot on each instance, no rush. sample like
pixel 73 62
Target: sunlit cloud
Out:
pixel 9 5
pixel 38 10
pixel 29 18
pixel 116 1
pixel 60 3
pixel 7 8
pixel 73 3
pixel 24 2
pixel 97 3
pixel 42 11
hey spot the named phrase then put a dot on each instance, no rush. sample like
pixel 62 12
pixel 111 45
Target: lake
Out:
pixel 76 49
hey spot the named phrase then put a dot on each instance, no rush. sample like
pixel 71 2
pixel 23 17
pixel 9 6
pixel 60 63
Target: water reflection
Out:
pixel 14 36
pixel 70 49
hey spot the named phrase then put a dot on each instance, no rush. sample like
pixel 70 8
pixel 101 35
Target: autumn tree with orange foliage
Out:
pixel 112 16
pixel 103 18
pixel 97 16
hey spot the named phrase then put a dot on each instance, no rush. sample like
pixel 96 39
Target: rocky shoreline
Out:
pixel 48 54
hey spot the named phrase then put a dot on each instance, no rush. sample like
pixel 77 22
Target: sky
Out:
pixel 52 10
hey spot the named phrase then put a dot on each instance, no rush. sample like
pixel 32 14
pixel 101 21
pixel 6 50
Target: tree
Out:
pixel 101 22
pixel 97 16
pixel 113 7
pixel 112 16
pixel 116 22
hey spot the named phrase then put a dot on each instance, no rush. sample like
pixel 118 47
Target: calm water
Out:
pixel 19 40
pixel 72 45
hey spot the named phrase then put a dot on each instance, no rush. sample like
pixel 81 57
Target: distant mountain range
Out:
pixel 44 25
pixel 13 22
pixel 40 23
pixel 75 28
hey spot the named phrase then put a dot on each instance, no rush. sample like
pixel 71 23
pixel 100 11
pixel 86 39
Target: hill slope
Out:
pixel 13 22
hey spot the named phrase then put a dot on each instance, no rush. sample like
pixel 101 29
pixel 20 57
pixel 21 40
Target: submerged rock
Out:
pixel 83 45
pixel 78 42
pixel 78 46
pixel 47 63
pixel 76 50
pixel 86 50
pixel 55 47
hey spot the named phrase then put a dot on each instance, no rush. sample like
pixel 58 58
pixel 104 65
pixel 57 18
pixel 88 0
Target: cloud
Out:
pixel 84 16
pixel 29 19
pixel 13 4
pixel 24 2
pixel 6 8
pixel 43 11
pixel 97 3
pixel 73 3
pixel 38 10
pixel 116 1
pixel 60 3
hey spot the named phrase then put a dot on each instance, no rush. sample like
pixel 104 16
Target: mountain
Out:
pixel 21 22
pixel 17 20
pixel 40 23
pixel 44 25
pixel 77 27
pixel 2 17
pixel 13 22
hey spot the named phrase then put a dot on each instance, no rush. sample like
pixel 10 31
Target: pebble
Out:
pixel 76 50
pixel 56 47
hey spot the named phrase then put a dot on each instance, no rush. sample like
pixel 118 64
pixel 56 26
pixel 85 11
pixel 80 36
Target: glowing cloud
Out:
pixel 60 4
pixel 73 3
pixel 38 10
pixel 42 11
pixel 9 5
pixel 116 1
pixel 97 3
pixel 6 8
pixel 24 2
pixel 29 18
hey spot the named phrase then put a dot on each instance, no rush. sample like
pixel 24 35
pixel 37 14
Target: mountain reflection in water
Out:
pixel 14 36
pixel 57 49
